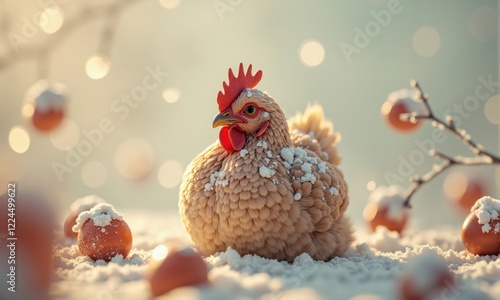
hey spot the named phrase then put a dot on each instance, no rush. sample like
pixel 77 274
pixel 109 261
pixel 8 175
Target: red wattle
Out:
pixel 232 138
pixel 237 138
pixel 224 139
pixel 262 129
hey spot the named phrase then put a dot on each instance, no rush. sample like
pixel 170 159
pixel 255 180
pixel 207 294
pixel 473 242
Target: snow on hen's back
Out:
pixel 293 155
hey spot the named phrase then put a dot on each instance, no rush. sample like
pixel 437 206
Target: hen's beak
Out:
pixel 223 119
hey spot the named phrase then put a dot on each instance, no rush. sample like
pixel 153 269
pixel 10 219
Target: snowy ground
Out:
pixel 369 270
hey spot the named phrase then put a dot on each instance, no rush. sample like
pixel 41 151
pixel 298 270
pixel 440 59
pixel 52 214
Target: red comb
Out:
pixel 237 85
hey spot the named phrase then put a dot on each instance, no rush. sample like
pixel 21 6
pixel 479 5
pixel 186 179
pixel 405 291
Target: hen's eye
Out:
pixel 250 110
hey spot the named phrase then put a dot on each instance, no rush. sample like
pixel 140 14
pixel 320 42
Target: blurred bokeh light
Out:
pixel 51 20
pixel 426 41
pixel 134 159
pixel 170 174
pixel 19 139
pixel 312 53
pixel 171 95
pixel 97 66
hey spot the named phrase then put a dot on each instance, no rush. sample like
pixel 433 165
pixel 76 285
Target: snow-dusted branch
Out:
pixel 481 155
pixel 86 15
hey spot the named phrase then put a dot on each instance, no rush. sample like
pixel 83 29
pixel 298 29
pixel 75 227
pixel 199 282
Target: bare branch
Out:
pixel 482 157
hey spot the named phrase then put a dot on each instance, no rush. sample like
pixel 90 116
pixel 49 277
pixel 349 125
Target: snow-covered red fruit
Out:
pixel 45 104
pixel 425 277
pixel 402 102
pixel 464 189
pixel 78 206
pixel 47 120
pixel 102 233
pixel 481 228
pixel 386 208
pixel 172 268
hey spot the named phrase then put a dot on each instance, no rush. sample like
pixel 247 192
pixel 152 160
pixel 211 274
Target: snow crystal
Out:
pixel 266 172
pixel 269 153
pixel 306 168
pixel 334 191
pixel 297 196
pixel 486 228
pixel 322 167
pixel 249 93
pixel 101 215
pixel 267 160
pixel 265 114
pixel 308 177
pixel 287 155
pixel 216 179
pixel 486 209
pixel 262 144
pixel 243 152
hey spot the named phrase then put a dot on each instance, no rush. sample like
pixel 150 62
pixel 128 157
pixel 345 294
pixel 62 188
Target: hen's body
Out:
pixel 278 197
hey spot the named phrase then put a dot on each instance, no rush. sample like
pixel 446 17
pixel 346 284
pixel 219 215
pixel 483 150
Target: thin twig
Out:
pixel 84 16
pixel 481 156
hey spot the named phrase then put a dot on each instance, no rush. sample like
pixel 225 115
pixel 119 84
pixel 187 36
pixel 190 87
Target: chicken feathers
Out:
pixel 281 195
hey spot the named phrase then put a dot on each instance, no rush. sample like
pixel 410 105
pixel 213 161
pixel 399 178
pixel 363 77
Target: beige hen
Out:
pixel 267 187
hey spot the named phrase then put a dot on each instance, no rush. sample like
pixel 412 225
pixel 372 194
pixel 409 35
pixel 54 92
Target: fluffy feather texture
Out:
pixel 280 196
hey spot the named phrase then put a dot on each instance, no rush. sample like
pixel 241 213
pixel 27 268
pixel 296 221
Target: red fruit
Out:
pixel 464 189
pixel 105 242
pixel 481 228
pixel 45 104
pixel 391 112
pixel 426 277
pixel 179 268
pixel 47 121
pixel 376 215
